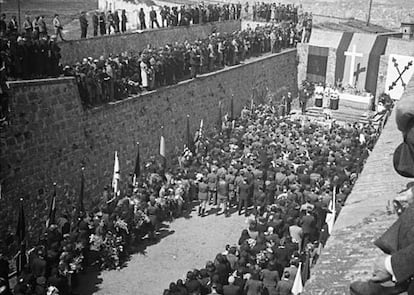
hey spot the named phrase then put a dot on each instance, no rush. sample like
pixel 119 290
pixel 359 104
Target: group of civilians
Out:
pixel 109 79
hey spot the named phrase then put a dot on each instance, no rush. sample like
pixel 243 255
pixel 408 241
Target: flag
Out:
pixel 219 119
pixel 306 268
pixel 117 176
pixel 232 108
pixel 317 64
pixel 362 61
pixel 137 169
pixel 298 284
pixel 201 128
pixel 330 216
pixel 399 73
pixel 21 239
pixel 190 139
pixel 162 153
pixel 51 219
pixel 81 208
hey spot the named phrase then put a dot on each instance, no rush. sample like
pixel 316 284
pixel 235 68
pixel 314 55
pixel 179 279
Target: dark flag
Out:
pixel 317 64
pixel 21 239
pixel 51 219
pixel 220 118
pixel 81 208
pixel 232 108
pixel 137 169
pixel 190 139
pixel 306 268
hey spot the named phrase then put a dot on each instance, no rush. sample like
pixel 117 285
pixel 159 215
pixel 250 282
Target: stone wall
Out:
pixel 50 134
pixel 75 50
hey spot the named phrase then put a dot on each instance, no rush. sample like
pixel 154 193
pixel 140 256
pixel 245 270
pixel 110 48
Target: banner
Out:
pixel 399 73
pixel 362 61
pixel 317 64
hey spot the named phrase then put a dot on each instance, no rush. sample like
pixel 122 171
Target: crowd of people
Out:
pixel 119 76
pixel 280 171
pixel 114 78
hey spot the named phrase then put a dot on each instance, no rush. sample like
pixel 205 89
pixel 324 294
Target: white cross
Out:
pixel 353 54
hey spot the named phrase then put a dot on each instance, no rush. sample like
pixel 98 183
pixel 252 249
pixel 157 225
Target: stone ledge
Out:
pixel 148 31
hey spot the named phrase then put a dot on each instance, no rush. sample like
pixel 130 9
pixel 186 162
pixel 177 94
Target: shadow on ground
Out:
pixel 88 282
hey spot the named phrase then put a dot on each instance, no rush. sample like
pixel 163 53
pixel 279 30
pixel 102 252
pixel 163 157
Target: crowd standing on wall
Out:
pixel 277 170
pixel 108 79
pixel 116 77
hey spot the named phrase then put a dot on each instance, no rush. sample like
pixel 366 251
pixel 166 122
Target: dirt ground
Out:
pixel 186 243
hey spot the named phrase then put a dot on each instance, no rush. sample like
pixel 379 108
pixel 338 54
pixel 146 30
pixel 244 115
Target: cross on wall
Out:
pixel 353 54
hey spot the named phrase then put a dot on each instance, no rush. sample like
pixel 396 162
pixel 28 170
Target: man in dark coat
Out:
pixel 95 23
pixel 83 25
pixel 397 242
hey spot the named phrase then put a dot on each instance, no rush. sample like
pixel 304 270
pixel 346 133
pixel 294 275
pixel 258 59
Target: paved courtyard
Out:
pixel 187 243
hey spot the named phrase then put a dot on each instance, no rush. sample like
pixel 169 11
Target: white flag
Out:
pixel 298 284
pixel 330 217
pixel 117 176
pixel 162 146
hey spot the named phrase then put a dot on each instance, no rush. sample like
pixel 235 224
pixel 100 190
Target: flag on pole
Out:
pixel 51 219
pixel 162 151
pixel 330 216
pixel 232 108
pixel 21 239
pixel 190 143
pixel 219 119
pixel 116 177
pixel 200 132
pixel 298 284
pixel 81 208
pixel 137 169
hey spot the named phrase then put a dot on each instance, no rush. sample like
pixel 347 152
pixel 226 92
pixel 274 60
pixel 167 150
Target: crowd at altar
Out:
pixel 280 171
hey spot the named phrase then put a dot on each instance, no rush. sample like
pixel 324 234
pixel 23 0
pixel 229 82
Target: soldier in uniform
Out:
pixel 202 194
pixel 222 195
pixel 212 186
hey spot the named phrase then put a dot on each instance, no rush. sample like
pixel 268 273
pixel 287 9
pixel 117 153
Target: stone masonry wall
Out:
pixel 50 135
pixel 75 50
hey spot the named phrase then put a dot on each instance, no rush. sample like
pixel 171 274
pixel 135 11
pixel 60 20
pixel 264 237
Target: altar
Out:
pixel 363 101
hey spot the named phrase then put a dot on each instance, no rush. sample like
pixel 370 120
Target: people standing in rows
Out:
pixel 83 24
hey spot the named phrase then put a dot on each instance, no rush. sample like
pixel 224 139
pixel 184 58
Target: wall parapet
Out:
pixel 75 50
